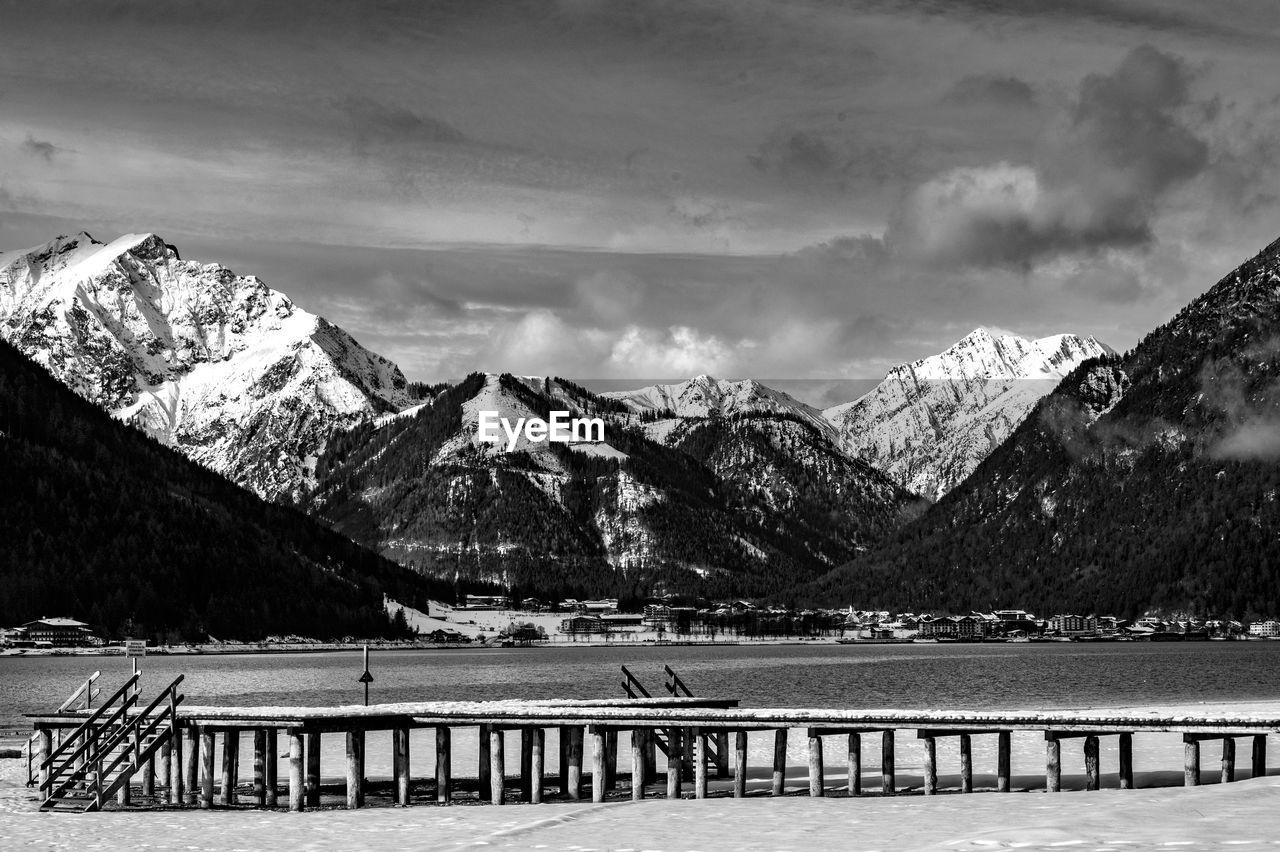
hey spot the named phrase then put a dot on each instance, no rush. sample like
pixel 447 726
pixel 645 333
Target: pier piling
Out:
pixel 1092 775
pixel 230 766
pixel 966 763
pixel 1259 755
pixel 1228 760
pixel 313 770
pixel 177 768
pixel 297 797
pixel 497 765
pixel 482 768
pixel 536 762
pixel 260 767
pixel 887 771
pixel 400 765
pixel 576 740
pixel 930 766
pixel 272 767
pixel 526 764
pixel 190 764
pixel 638 759
pixel 1126 761
pixel 444 737
pixel 206 768
pixel 740 764
pixel 1052 763
pixel 611 759
pixel 1004 751
pixel 1191 761
pixel 855 765
pixel 699 764
pixel 164 764
pixel 675 761
pixel 779 762
pixel 599 753
pixel 816 768
pixel 355 769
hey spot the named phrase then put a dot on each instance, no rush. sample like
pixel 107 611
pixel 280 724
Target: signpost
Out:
pixel 366 678
pixel 135 648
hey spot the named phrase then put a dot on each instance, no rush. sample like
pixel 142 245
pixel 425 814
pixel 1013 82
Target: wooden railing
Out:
pixel 86 734
pixel 112 746
pixel 85 692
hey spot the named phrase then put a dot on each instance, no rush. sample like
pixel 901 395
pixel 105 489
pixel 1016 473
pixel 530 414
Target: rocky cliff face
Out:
pixel 931 422
pixel 215 364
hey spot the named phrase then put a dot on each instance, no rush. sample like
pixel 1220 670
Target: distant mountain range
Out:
pixel 720 487
pixel 744 504
pixel 1145 481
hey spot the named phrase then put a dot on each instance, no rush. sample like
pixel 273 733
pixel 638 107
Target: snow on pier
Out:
pixel 673 740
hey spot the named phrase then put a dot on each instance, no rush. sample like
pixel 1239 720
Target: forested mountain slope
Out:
pixel 1148 481
pixel 101 522
pixel 729 514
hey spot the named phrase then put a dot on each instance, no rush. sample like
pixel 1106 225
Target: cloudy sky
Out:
pixel 649 189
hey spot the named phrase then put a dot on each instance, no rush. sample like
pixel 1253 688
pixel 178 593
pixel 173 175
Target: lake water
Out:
pixel 1051 675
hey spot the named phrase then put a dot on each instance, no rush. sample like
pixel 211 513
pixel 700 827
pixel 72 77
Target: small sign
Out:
pixel 135 647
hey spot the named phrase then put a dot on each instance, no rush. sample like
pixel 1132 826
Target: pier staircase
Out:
pixel 717 749
pixel 97 760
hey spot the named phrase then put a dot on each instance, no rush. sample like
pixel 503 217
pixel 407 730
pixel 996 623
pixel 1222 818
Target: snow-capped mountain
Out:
pixel 743 504
pixel 1148 482
pixel 704 396
pixel 215 364
pixel 931 422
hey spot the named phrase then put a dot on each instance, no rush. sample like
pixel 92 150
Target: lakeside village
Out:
pixel 668 621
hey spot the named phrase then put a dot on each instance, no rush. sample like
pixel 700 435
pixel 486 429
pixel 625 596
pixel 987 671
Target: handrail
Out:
pixel 121 712
pixel 119 736
pixel 31 757
pixel 97 714
pixel 632 681
pixel 136 753
pixel 133 724
pixel 676 684
pixel 87 688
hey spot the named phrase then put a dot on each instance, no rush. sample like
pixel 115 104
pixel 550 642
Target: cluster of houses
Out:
pixel 1020 624
pixel 54 632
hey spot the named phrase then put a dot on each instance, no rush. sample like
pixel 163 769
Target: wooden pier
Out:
pixel 181 765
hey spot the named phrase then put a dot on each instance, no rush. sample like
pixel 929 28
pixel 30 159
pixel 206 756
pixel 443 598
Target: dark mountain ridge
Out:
pixel 102 522
pixel 1146 482
pixel 723 511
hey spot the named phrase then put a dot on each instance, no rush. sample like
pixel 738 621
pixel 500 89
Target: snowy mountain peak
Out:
pixel 706 396
pixel 211 362
pixel 932 421
pixel 980 354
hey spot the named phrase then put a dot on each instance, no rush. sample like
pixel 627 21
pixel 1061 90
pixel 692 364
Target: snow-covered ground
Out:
pixel 1157 815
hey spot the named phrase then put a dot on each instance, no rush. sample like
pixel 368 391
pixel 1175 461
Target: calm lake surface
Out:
pixel 1052 675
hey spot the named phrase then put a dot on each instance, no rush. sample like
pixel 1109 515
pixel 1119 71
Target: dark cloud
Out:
pixel 1096 180
pixel 990 90
pixel 835 157
pixel 1195 18
pixel 793 153
pixel 375 125
pixel 40 148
